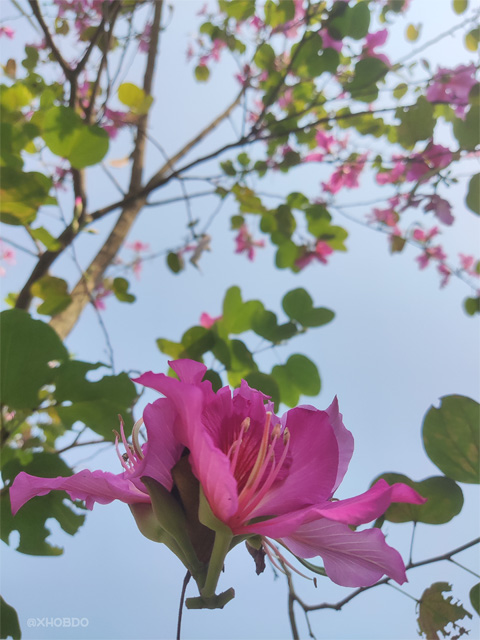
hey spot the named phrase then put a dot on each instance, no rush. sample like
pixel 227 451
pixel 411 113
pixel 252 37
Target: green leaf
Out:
pixel 264 323
pixel 416 123
pixel 95 404
pixel 54 292
pixel 214 378
pixel 277 13
pixel 400 90
pixel 248 200
pixel 135 98
pixel 467 131
pixel 305 374
pixel 312 567
pixel 475 597
pixel 31 520
pixel 238 9
pixel 27 345
pixel 202 73
pixel 298 305
pixel 120 290
pixel 46 238
pixel 175 262
pixel 197 341
pixel 472 39
pixel 451 437
pixel 32 56
pixel 286 255
pixel 237 315
pixel 472 305
pixel 22 194
pixel 264 57
pixel 435 612
pixel 9 625
pixel 460 6
pixel 265 383
pixel 298 376
pixel 368 72
pixel 444 500
pixel 473 195
pixel 66 135
pixel 15 97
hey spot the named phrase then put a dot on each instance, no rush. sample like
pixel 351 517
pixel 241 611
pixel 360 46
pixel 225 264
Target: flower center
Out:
pixel 255 466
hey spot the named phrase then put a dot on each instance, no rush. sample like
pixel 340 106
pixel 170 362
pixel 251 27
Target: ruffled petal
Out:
pixel 344 439
pixel 313 456
pixel 351 558
pixel 371 504
pixel 210 465
pixel 92 486
pixel 163 450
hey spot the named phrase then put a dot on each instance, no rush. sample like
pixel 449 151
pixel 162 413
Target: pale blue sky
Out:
pixel 397 345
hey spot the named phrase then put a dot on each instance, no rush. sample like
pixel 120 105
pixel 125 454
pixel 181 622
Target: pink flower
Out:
pixel 445 273
pixel 388 177
pixel 431 253
pixel 118 120
pixel 325 141
pixel 468 264
pixel 7 31
pixel 434 156
pixel 387 216
pixel 138 246
pixel 144 40
pixel 329 42
pixel 99 294
pixel 245 242
pixel 314 157
pixel 207 321
pixel 372 41
pixel 441 208
pixel 320 253
pixel 259 475
pixel 346 175
pixel 421 236
pixel 452 86
pixel 286 98
pixel 7 255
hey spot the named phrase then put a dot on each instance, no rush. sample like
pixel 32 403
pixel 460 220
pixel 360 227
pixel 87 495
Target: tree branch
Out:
pixel 49 40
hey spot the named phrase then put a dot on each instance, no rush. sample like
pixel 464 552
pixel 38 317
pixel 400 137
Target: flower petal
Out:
pixel 188 370
pixel 163 450
pixel 210 465
pixel 371 504
pixel 92 486
pixel 351 558
pixel 313 455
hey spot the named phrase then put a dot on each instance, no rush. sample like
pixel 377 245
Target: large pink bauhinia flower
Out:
pixel 259 477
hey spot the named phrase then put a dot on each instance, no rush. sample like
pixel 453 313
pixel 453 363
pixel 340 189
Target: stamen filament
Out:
pixel 135 441
pixel 261 452
pixel 117 449
pixel 281 557
pixel 244 427
pixel 128 450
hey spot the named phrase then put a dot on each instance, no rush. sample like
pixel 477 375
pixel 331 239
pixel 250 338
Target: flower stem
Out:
pixel 221 547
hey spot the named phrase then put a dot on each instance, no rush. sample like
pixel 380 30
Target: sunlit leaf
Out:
pixel 473 195
pixel 54 293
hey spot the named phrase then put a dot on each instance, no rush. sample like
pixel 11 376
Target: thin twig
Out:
pixel 186 580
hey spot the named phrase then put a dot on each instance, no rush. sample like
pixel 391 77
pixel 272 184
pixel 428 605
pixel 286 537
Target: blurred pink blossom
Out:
pixel 441 208
pixel 245 242
pixel 445 272
pixel 431 253
pixel 329 42
pixel 144 39
pixel 452 86
pixel 434 156
pixel 7 31
pixel 372 41
pixel 207 321
pixel 7 255
pixel 346 175
pixel 320 253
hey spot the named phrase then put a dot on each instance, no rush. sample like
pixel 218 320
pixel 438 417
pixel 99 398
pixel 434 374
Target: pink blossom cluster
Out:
pixel 98 296
pixel 290 28
pixel 453 86
pixel 114 120
pixel 245 242
pixel 416 167
pixel 327 144
pixel 7 255
pixel 87 12
pixel 346 175
pixel 138 248
pixel 319 253
pixel 372 41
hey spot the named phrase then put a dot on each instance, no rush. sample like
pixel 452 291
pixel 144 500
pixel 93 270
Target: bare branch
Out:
pixel 49 40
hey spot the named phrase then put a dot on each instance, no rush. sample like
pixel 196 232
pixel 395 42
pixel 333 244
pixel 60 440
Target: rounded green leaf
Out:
pixel 54 293
pixel 451 436
pixel 22 195
pixel 202 73
pixel 444 500
pixel 66 135
pixel 134 97
pixel 460 6
pixel 27 345
pixel 472 305
pixel 473 195
pixel 475 597
pixel 305 374
pixel 9 625
pixel 120 290
pixel 412 32
pixel 298 305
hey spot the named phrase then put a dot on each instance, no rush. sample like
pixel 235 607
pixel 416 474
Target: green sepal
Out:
pixel 213 602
